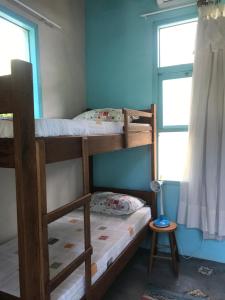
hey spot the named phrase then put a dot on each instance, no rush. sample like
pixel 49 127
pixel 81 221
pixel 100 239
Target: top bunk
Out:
pixel 16 96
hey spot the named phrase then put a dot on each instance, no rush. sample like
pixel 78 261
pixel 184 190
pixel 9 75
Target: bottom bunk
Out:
pixel 111 236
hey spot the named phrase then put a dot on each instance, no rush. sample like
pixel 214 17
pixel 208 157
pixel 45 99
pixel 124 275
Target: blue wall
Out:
pixel 120 74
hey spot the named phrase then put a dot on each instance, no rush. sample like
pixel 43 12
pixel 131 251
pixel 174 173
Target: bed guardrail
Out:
pixel 144 128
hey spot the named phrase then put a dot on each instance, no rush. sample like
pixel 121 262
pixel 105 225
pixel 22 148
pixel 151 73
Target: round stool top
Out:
pixel 172 227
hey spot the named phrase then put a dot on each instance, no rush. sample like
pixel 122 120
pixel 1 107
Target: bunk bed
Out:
pixel 28 155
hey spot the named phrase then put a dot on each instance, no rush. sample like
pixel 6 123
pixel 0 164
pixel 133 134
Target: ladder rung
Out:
pixel 63 210
pixel 59 278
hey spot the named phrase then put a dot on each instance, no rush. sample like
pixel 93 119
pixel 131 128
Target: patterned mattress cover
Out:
pixel 110 235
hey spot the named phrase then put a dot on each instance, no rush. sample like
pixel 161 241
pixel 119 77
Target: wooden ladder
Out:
pixel 47 218
pixel 29 153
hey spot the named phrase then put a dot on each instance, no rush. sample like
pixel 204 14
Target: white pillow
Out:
pixel 115 204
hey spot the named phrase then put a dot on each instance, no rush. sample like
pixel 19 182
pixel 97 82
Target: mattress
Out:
pixel 65 127
pixel 110 235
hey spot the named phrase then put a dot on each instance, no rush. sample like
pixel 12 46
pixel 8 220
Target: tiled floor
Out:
pixel 133 281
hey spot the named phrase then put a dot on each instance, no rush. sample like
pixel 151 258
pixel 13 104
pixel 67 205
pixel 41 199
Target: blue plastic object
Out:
pixel 162 222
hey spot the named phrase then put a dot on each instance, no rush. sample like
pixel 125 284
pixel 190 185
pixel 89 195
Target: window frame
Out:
pixel 168 72
pixel 170 76
pixel 33 41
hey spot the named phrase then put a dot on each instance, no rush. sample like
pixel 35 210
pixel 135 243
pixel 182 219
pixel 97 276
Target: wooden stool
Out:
pixel 173 245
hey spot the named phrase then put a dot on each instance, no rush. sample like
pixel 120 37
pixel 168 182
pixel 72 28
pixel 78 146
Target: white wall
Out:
pixel 62 58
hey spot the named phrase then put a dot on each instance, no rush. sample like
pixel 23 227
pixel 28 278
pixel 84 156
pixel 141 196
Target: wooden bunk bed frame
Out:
pixel 29 156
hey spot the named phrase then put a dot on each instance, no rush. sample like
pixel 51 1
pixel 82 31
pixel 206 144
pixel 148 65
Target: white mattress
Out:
pixel 110 235
pixel 60 127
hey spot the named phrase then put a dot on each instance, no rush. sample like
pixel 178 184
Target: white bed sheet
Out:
pixel 61 127
pixel 110 235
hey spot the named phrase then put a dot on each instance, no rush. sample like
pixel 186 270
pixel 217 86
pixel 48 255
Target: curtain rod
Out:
pixel 166 10
pixel 36 14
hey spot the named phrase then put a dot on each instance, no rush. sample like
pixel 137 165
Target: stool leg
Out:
pixel 175 243
pixel 153 247
pixel 156 244
pixel 173 254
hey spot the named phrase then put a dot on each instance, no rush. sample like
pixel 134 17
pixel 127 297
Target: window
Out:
pixel 174 76
pixel 19 41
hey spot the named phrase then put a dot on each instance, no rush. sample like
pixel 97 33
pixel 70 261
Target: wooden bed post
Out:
pixel 154 143
pixel 87 225
pixel 91 174
pixel 28 213
pixel 42 201
pixel 125 128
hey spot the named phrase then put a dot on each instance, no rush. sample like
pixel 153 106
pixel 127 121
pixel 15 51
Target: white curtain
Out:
pixel 202 196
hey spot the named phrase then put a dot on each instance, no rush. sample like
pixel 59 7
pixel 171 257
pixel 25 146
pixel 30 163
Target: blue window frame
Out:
pixel 32 30
pixel 167 81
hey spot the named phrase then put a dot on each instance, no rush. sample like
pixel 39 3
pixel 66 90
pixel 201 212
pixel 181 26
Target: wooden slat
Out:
pixel 85 162
pixel 5 95
pixel 66 148
pixel 42 201
pixel 91 173
pixel 138 127
pixel 87 225
pixel 62 148
pixel 137 113
pixel 138 139
pixel 5 296
pixel 67 208
pixel 28 213
pixel 7 153
pixel 109 143
pixel 60 277
pixel 126 124
pixel 154 143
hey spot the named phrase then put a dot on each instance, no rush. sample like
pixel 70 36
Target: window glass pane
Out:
pixel 172 155
pixel 176 95
pixel 14 45
pixel 176 44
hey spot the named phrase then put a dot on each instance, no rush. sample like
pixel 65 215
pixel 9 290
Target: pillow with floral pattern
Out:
pixel 104 115
pixel 115 204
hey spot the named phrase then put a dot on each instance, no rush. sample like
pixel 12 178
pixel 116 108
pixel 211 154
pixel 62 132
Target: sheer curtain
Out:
pixel 202 196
